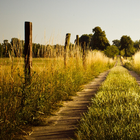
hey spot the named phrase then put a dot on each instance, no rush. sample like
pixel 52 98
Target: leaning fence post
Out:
pixel 67 42
pixel 28 51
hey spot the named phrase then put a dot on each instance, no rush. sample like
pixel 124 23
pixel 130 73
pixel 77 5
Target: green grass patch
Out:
pixel 115 110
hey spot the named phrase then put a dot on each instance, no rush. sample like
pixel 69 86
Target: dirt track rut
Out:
pixel 63 124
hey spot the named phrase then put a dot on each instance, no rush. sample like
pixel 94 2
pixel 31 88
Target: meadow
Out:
pixel 51 84
pixel 115 110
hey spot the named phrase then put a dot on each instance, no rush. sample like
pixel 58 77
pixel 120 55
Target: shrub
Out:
pixel 111 51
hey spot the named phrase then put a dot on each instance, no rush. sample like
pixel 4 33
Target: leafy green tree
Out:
pixel 137 45
pixel 122 52
pixel 85 38
pixel 111 51
pixel 6 48
pixel 1 50
pixel 99 40
pixel 116 42
pixel 127 45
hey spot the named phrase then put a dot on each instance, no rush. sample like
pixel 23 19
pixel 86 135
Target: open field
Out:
pixel 51 84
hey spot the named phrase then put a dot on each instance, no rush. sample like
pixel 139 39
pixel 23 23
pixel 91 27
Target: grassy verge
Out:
pixel 50 85
pixel 135 63
pixel 115 110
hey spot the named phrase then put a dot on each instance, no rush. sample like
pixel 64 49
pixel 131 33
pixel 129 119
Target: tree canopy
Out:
pixel 111 51
pixel 85 38
pixel 127 45
pixel 116 42
pixel 137 44
pixel 99 40
pixel 6 48
pixel 17 46
pixel 1 50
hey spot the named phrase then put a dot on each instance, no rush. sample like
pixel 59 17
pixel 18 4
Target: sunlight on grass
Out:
pixel 115 110
pixel 133 63
pixel 51 83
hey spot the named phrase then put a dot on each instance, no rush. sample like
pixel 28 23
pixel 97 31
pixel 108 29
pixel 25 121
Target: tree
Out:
pixel 6 48
pixel 111 51
pixel 99 40
pixel 1 50
pixel 16 46
pixel 116 42
pixel 127 45
pixel 85 38
pixel 137 45
pixel 22 44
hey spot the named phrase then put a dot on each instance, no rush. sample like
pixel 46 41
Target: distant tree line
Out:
pixel 16 48
pixel 125 46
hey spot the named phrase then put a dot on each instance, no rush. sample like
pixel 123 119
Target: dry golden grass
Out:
pixel 51 83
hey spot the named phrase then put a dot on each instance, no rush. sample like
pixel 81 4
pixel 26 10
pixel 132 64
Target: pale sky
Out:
pixel 52 19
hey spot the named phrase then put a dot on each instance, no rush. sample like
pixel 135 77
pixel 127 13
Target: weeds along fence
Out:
pixel 31 88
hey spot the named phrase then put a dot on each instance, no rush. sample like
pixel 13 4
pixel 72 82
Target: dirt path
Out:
pixel 63 125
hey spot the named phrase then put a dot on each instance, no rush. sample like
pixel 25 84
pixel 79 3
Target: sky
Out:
pixel 52 19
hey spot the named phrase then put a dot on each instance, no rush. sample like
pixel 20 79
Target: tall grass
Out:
pixel 51 84
pixel 136 62
pixel 115 110
pixel 133 63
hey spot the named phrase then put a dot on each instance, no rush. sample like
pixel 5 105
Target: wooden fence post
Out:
pixel 67 42
pixel 28 52
pixel 28 59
